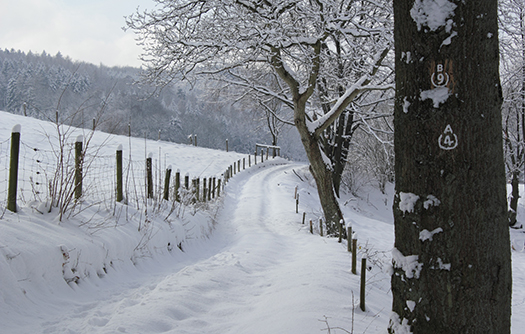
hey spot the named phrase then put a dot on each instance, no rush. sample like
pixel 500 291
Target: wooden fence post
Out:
pixel 120 194
pixel 187 181
pixel 349 238
pixel 249 160
pixel 197 189
pixel 78 167
pixel 340 225
pixel 262 155
pixel 177 186
pixel 204 190
pixel 354 256
pixel 321 227
pixel 297 204
pixel 167 183
pixel 149 176
pixel 363 283
pixel 213 189
pixel 243 163
pixel 311 227
pixel 226 145
pixel 255 155
pixel 209 189
pixel 304 216
pixel 238 165
pixel 194 190
pixel 218 187
pixel 13 168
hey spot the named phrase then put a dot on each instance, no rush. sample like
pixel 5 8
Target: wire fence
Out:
pixel 48 173
pixel 37 168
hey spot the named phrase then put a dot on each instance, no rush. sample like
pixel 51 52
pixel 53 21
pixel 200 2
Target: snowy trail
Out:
pixel 252 276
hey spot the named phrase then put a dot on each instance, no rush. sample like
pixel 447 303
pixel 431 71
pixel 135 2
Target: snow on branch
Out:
pixel 361 85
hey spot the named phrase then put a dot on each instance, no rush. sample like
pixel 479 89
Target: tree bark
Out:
pixel 320 169
pixel 514 196
pixel 452 271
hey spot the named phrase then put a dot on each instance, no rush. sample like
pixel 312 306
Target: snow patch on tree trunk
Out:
pixel 408 264
pixel 431 201
pixel 407 202
pixel 433 14
pixel 437 95
pixel 399 326
pixel 428 235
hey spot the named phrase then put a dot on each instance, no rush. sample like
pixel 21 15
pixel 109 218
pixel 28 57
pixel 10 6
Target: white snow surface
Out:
pixel 247 264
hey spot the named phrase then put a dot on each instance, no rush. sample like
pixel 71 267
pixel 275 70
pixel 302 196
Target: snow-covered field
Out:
pixel 243 263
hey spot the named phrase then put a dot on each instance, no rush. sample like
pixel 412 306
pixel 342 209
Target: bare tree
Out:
pixel 239 41
pixel 512 46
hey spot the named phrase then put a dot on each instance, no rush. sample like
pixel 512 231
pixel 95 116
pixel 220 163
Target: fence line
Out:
pixel 37 168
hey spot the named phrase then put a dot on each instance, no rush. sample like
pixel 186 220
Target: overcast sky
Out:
pixel 85 30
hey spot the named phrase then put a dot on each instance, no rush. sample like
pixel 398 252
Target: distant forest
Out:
pixel 43 86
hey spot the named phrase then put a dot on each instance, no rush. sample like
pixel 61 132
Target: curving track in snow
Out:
pixel 260 272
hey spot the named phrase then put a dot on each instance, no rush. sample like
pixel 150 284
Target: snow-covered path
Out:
pixel 254 275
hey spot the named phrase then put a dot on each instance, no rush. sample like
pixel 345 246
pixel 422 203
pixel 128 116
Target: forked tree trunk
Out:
pixel 514 196
pixel 452 271
pixel 321 172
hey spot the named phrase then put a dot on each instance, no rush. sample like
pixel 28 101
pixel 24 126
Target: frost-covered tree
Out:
pixel 512 46
pixel 239 41
pixel 452 270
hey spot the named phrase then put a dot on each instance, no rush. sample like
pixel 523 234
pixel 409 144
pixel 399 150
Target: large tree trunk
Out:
pixel 321 171
pixel 452 271
pixel 514 196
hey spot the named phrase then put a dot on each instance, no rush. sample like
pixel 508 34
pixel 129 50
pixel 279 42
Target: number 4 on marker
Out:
pixel 448 139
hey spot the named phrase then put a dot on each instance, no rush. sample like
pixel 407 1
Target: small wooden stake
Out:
pixel 304 216
pixel 363 283
pixel 321 227
pixel 78 168
pixel 204 190
pixel 177 186
pixel 311 227
pixel 349 238
pixel 149 177
pixel 167 183
pixel 209 189
pixel 120 194
pixel 13 168
pixel 354 256
pixel 340 225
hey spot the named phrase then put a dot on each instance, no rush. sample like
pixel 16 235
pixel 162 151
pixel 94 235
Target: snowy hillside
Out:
pixel 242 263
